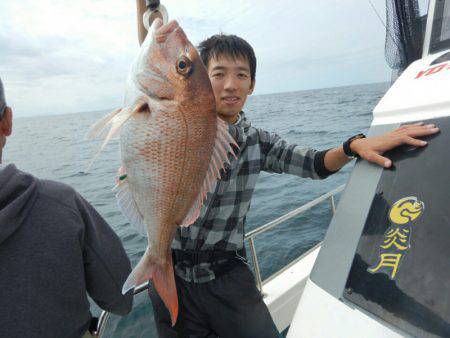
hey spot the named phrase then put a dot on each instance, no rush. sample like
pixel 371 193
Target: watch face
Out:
pixel 358 136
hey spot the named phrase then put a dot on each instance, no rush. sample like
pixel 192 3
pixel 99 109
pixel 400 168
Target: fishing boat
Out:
pixel 383 267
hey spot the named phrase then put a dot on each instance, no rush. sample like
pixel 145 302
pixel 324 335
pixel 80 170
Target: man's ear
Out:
pixel 6 122
pixel 252 87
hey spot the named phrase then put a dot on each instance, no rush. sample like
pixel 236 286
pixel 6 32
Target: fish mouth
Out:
pixel 164 31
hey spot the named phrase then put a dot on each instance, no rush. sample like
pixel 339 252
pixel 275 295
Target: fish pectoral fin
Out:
pixel 116 120
pixel 127 205
pixel 100 125
pixel 222 146
pixel 116 123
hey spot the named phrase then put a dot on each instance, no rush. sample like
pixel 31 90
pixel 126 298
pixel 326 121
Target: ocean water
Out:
pixel 54 147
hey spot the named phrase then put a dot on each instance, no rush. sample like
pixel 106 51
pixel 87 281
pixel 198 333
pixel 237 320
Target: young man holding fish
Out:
pixel 216 289
pixel 54 249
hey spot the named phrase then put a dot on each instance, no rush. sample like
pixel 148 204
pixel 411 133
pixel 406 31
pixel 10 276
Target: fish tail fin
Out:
pixel 163 279
pixel 164 282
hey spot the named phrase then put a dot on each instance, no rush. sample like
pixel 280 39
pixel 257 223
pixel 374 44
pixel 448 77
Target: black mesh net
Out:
pixel 404 34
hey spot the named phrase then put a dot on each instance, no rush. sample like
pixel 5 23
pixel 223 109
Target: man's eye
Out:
pixel 242 75
pixel 217 75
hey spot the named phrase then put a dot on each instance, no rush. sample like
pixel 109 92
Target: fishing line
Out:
pixel 384 24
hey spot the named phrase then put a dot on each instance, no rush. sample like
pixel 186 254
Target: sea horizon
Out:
pixel 249 98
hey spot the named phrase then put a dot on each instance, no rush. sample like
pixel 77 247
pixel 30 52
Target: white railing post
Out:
pixel 256 265
pixel 333 205
pixel 102 324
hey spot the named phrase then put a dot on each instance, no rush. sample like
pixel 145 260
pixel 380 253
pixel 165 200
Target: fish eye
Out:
pixel 184 65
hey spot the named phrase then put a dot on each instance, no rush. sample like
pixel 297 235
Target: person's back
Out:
pixel 54 249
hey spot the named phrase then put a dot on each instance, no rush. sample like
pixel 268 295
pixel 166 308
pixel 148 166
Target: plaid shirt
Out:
pixel 220 226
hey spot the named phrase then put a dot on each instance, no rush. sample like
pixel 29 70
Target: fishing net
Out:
pixel 405 29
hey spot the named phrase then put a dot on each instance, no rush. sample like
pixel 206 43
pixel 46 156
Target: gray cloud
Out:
pixel 75 57
pixel 12 46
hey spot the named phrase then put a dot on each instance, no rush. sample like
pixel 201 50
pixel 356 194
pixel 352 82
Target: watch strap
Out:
pixel 346 145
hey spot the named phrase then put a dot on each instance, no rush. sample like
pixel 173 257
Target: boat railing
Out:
pixel 250 237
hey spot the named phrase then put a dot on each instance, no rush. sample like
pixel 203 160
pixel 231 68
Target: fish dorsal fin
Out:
pixel 127 205
pixel 222 146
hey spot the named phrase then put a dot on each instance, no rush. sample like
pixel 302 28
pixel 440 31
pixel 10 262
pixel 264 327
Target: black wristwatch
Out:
pixel 346 145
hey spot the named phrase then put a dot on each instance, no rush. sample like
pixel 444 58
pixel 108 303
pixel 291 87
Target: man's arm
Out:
pixel 106 263
pixel 157 11
pixel 372 148
pixel 281 157
pixel 141 8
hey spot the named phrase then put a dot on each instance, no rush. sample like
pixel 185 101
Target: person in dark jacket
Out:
pixel 54 250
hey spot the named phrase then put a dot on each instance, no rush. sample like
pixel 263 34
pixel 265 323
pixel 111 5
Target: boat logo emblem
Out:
pixel 406 210
pixel 397 238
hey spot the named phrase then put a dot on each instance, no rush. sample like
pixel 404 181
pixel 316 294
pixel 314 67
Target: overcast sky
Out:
pixel 73 56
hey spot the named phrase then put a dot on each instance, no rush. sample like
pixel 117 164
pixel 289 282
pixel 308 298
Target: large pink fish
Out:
pixel 173 146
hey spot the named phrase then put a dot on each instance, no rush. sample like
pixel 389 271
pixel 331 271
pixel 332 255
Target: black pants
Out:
pixel 229 306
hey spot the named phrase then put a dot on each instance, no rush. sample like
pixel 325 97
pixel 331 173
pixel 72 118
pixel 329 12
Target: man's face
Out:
pixel 231 83
pixel 5 128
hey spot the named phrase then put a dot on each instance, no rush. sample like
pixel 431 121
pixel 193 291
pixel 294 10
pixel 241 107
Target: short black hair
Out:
pixel 228 45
